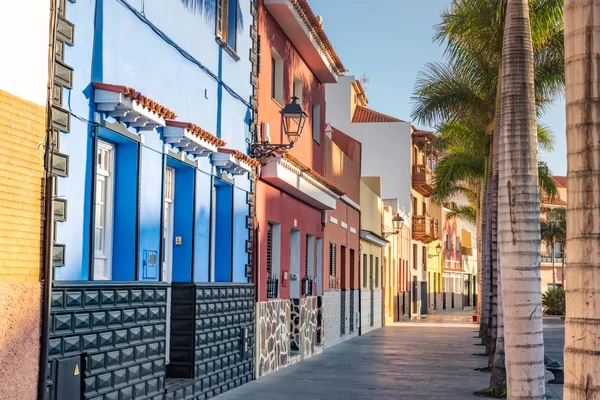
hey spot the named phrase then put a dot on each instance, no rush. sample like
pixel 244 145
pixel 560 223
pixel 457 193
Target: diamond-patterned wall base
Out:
pixel 119 331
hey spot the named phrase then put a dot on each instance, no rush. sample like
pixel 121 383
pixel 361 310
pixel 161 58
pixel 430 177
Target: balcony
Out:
pixel 466 251
pixel 424 228
pixel 547 259
pixel 421 180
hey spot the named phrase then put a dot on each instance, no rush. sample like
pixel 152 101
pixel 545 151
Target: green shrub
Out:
pixel 553 301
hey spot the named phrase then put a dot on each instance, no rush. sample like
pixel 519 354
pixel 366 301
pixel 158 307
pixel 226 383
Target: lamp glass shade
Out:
pixel 293 119
pixel 397 222
pixel 438 249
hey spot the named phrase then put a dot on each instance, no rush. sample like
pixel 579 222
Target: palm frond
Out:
pixel 467 213
pixel 545 137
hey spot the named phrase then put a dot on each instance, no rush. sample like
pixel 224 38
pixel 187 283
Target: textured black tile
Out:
pixel 121 337
pixel 73 299
pixel 111 396
pixel 129 316
pixel 133 373
pixel 127 393
pixel 146 370
pixel 148 332
pixel 55 346
pixel 152 386
pixel 141 315
pixel 154 314
pixel 153 349
pixel 120 377
pixel 127 355
pixel 96 362
pixel 159 331
pixel 136 297
pixel 99 319
pixel 149 296
pixel 62 323
pixel 140 352
pixel 122 297
pixel 135 335
pixel 139 390
pixel 90 384
pixel 81 321
pixel 113 358
pixel 57 300
pixel 72 344
pixel 90 342
pixel 105 340
pixel 104 382
pixel 161 295
pixel 114 318
pixel 91 298
pixel 107 298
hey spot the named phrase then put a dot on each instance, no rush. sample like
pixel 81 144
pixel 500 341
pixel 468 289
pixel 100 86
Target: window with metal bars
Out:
pixel 269 249
pixel 415 257
pixel 425 257
pixel 308 237
pixel 332 259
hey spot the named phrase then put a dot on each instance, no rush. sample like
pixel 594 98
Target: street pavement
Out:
pixel 430 358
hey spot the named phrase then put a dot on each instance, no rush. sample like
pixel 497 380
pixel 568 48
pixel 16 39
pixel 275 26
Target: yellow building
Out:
pixel 23 95
pixel 372 245
pixel 434 265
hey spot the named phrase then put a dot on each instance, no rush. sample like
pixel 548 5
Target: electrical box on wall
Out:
pixel 150 265
pixel 68 378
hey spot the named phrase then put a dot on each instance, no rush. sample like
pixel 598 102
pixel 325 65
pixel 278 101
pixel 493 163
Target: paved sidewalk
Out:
pixel 431 358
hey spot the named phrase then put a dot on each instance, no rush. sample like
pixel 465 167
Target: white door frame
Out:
pixel 103 205
pixel 167 264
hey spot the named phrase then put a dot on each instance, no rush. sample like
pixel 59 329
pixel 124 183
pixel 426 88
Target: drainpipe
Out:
pixel 48 215
pixel 213 224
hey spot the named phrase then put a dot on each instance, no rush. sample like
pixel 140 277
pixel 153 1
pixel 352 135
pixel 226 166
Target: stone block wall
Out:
pixel 273 320
pixel 336 310
pixel 366 310
pixel 286 328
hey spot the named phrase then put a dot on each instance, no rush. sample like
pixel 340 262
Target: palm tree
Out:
pixel 582 20
pixel 553 230
pixel 518 211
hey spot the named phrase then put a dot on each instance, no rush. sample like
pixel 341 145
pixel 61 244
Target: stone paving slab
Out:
pixel 412 360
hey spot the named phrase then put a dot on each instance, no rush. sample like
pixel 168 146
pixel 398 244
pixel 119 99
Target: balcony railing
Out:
pixel 547 258
pixel 424 228
pixel 334 283
pixel 272 287
pixel 421 180
pixel 307 286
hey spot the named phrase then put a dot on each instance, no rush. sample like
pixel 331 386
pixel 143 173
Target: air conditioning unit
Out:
pixel 265 132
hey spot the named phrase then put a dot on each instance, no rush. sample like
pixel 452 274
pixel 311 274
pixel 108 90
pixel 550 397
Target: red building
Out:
pixel 293 198
pixel 341 309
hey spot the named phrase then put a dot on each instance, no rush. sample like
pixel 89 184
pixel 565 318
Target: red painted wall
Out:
pixel 307 150
pixel 273 205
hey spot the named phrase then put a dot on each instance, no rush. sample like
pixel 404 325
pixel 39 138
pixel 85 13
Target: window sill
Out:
pixel 277 102
pixel 227 48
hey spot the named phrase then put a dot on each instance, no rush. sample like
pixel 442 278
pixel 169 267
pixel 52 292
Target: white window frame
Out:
pixel 105 171
pixel 316 121
pixel 277 77
pixel 297 89
pixel 222 20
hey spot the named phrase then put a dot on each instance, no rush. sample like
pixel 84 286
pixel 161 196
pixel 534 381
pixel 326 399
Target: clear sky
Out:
pixel 390 41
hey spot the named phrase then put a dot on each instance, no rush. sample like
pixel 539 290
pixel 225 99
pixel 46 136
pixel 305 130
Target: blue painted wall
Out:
pixel 117 42
pixel 202 227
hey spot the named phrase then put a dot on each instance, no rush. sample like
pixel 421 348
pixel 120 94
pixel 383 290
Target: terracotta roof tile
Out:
pixel 196 130
pixel 423 134
pixel 241 156
pixel 316 29
pixel 555 202
pixel 310 172
pixel 364 114
pixel 560 181
pixel 137 96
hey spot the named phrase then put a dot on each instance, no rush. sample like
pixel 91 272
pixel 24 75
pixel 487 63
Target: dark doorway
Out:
pixel 415 288
pixel 424 297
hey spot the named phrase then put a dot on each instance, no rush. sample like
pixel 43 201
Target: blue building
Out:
pixel 153 111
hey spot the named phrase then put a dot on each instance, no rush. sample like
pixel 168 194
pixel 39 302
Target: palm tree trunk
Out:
pixel 486 275
pixel 479 262
pixel 498 377
pixel 497 335
pixel 553 270
pixel 582 325
pixel 518 214
pixel 493 205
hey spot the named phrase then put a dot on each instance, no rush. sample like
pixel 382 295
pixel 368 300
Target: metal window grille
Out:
pixel 269 249
pixel 272 287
